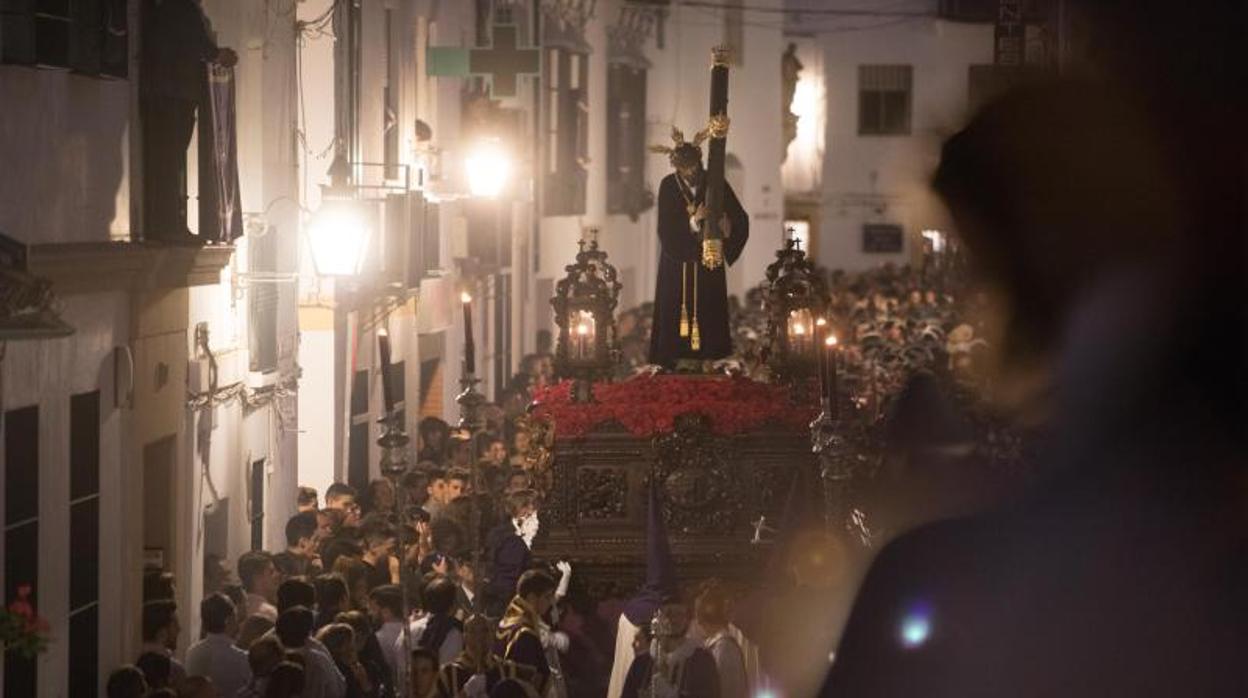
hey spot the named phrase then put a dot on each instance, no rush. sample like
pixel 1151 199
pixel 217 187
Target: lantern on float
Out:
pixel 584 305
pixel 796 300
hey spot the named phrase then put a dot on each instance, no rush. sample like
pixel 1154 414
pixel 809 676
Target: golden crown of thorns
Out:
pixel 678 139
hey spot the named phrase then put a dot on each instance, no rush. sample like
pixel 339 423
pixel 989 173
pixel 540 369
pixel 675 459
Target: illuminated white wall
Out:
pixel 802 170
pixel 884 179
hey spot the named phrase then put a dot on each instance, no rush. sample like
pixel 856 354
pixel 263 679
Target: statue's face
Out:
pixel 690 173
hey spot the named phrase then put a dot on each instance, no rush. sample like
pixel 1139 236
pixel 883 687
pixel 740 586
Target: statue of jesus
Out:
pixel 690 301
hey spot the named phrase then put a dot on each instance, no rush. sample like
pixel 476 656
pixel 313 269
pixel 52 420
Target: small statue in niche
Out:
pixel 790 67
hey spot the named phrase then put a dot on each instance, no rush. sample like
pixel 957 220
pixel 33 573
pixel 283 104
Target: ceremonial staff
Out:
pixel 717 127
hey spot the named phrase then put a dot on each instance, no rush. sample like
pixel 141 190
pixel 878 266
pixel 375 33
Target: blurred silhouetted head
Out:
pixel 1052 186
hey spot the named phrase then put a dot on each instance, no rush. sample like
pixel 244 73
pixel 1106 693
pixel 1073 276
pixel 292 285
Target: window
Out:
pixel 390 102
pixel 398 381
pixel 262 300
pixel 87 36
pixel 552 109
pixel 502 331
pixel 357 437
pixel 256 513
pixel 21 531
pixel 430 387
pixel 579 73
pixel 566 110
pixel 396 210
pixel 626 135
pixel 424 246
pixel 884 100
pixel 84 543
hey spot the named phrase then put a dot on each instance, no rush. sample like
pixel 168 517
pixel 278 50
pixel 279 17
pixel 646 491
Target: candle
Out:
pixel 585 328
pixel 801 331
pixel 387 390
pixel 582 331
pixel 470 349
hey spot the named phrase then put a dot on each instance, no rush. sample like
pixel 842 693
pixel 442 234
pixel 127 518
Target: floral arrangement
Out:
pixel 22 631
pixel 648 405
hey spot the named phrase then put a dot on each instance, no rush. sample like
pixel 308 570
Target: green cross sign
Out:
pixel 503 62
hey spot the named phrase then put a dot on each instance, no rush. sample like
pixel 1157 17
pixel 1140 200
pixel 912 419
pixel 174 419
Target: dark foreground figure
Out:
pixel 1111 219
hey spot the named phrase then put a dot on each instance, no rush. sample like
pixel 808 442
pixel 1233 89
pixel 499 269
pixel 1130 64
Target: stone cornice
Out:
pixel 116 266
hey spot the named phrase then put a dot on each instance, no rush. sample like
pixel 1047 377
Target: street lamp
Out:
pixel 338 236
pixel 338 233
pixel 488 168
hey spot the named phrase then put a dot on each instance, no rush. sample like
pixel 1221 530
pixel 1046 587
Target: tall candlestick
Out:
pixel 821 330
pixel 387 390
pixel 830 359
pixel 470 348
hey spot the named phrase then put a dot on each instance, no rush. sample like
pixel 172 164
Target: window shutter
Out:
pixel 262 301
pixel 884 93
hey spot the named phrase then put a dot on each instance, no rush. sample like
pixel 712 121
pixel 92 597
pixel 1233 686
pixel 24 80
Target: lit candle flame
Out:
pixel 582 329
pixel 465 297
pixel 381 332
pixel 799 328
pixel 830 341
pixel 820 322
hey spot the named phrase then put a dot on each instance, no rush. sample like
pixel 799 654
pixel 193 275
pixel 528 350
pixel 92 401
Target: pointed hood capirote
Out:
pixel 660 585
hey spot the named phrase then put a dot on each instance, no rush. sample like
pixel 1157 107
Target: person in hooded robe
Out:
pixel 639 611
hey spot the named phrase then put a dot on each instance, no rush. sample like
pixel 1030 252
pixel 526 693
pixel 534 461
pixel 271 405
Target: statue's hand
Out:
pixel 695 221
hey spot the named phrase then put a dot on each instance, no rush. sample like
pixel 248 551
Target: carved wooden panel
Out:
pixel 712 489
pixel 601 493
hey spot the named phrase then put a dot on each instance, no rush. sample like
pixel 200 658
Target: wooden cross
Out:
pixel 503 62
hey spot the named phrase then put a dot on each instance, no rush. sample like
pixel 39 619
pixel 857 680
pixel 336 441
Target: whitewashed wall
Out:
pixel 46 373
pixel 896 169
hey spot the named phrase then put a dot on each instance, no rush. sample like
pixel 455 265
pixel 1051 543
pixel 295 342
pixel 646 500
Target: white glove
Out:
pixel 560 641
pixel 565 576
pixel 475 687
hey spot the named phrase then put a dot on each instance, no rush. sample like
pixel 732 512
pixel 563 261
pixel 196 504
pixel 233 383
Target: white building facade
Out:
pixel 877 95
pixel 157 429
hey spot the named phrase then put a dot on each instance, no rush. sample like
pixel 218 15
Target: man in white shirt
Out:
pixel 321 678
pixel 437 631
pixel 216 656
pixel 385 605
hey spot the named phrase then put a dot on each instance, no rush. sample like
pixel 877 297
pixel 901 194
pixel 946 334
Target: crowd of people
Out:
pixel 326 616
pixel 357 606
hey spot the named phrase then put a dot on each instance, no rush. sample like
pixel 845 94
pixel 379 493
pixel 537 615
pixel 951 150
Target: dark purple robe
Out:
pixel 679 261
